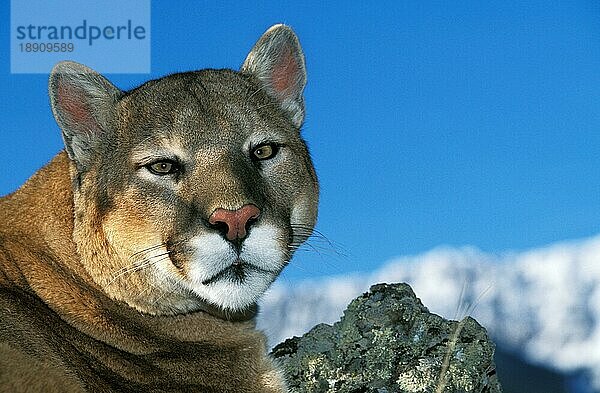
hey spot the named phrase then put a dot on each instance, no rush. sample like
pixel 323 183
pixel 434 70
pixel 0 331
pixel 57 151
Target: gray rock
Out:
pixel 386 342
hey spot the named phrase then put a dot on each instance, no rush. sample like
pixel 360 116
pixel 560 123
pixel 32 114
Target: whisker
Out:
pixel 141 260
pixel 316 243
pixel 322 246
pixel 314 233
pixel 164 293
pixel 147 250
pixel 130 270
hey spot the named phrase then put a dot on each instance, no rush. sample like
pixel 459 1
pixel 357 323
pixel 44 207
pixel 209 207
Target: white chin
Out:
pixel 230 293
pixel 210 279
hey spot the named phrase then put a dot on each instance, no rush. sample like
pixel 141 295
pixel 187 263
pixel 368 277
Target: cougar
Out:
pixel 133 261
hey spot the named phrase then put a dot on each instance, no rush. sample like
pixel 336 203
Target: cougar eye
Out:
pixel 162 168
pixel 264 151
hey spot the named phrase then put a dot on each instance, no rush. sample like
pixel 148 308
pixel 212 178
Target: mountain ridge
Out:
pixel 542 303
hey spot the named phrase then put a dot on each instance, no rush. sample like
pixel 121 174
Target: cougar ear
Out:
pixel 278 62
pixel 83 103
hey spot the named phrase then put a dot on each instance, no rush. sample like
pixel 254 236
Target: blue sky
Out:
pixel 430 123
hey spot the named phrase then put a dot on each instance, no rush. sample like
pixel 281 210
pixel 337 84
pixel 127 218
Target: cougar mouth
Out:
pixel 217 273
pixel 237 272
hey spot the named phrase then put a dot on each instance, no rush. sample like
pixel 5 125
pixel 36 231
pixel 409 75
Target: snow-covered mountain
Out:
pixel 543 303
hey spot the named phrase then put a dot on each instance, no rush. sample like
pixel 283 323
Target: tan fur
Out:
pixel 103 263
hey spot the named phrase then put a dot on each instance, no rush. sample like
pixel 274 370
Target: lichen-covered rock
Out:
pixel 387 341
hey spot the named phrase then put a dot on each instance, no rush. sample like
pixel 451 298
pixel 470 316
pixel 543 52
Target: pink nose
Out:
pixel 236 221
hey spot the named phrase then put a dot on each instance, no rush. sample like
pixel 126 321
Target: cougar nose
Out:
pixel 234 223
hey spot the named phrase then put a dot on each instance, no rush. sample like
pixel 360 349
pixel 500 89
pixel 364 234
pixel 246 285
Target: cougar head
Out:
pixel 191 192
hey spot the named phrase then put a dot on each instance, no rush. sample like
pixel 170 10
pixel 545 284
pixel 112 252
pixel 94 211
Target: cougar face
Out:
pixel 191 191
